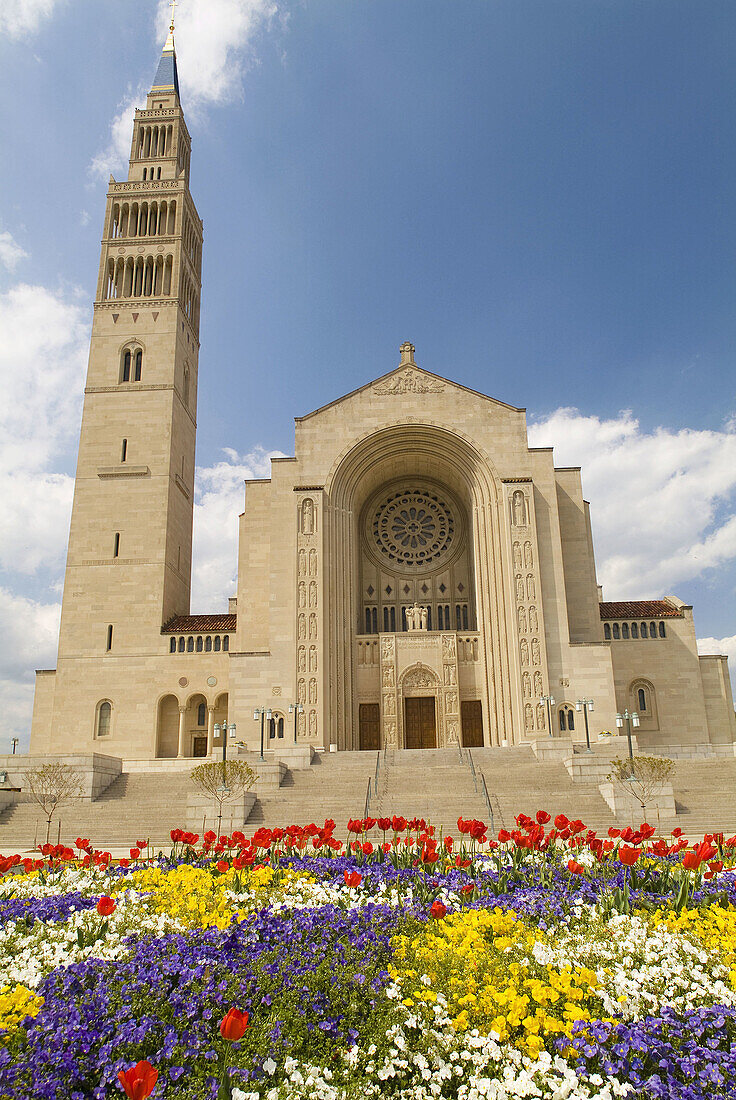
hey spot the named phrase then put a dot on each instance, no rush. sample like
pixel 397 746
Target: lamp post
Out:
pixel 550 701
pixel 296 709
pixel 265 715
pixel 631 720
pixel 585 705
pixel 224 728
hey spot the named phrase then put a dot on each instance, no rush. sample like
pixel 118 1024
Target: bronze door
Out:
pixel 419 723
pixel 200 746
pixel 370 726
pixel 471 717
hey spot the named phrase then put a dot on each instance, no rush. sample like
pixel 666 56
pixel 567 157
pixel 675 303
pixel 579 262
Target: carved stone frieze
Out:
pixel 409 381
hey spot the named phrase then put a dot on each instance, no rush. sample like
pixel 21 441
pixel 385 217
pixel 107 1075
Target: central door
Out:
pixel 369 720
pixel 471 720
pixel 420 725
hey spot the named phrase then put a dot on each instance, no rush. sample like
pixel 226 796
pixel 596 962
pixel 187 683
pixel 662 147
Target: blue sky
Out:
pixel 537 193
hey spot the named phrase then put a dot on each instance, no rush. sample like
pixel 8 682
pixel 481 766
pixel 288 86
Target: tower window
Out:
pixel 226 644
pixel 124 451
pixel 661 630
pixel 116 545
pixel 126 367
pixel 208 645
pixel 172 645
pixel 607 632
pixel 616 630
pixel 104 713
pixel 644 630
pixel 138 365
pixel 217 643
pixel 202 715
pixel 642 699
pixel 181 645
pixel 634 630
pixel 200 644
pixel 624 630
pixel 109 638
pixel 652 630
pixel 190 645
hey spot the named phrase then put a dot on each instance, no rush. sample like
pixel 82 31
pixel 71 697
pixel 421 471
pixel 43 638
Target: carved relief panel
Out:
pixel 309 615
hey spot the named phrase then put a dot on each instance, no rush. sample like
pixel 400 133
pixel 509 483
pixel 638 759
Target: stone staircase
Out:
pixel 334 787
pixel 431 783
pixel 134 807
pixel 705 796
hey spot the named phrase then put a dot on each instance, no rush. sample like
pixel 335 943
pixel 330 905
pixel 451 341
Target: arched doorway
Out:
pixel 167 728
pixel 420 706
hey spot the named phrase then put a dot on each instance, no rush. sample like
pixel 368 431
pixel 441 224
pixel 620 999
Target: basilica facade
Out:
pixel 415 576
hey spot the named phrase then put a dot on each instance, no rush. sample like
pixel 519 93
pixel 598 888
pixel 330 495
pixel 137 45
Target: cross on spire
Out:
pixel 173 13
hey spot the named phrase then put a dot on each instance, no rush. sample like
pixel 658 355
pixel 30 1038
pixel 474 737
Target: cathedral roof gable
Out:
pixel 407 378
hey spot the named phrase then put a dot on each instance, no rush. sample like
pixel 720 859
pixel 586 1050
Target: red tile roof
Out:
pixel 200 624
pixel 640 609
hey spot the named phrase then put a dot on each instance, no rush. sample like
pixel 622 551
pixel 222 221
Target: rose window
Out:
pixel 414 527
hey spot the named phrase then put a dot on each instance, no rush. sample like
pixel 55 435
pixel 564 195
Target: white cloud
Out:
pixel 116 154
pixel 219 498
pixel 661 501
pixel 30 631
pixel 10 252
pixel 20 18
pixel 214 42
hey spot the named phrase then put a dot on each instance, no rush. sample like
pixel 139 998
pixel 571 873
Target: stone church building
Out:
pixel 414 576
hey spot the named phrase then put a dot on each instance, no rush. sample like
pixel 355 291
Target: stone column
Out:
pixel 182 714
pixel 210 730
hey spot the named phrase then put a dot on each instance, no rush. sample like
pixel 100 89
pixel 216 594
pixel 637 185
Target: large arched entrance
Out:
pixel 414 519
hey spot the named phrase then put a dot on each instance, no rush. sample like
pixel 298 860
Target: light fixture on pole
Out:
pixel 631 720
pixel 585 705
pixel 550 701
pixel 265 715
pixel 296 709
pixel 224 729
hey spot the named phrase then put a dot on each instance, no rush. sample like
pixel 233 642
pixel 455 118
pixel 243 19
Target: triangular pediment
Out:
pixel 408 378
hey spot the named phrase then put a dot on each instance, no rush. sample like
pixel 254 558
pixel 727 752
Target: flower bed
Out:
pixel 393 963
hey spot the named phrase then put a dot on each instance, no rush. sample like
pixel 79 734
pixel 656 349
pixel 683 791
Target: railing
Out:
pixel 484 789
pixel 367 799
pixel 488 802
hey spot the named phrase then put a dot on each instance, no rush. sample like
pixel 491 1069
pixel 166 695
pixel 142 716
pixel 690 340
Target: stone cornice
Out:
pixel 123 470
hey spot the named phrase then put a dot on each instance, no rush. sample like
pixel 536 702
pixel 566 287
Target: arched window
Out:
pixel 190 645
pixel 624 630
pixel 641 698
pixel 280 726
pixel 404 624
pixel 226 643
pixel 172 645
pixel 186 385
pixel 385 620
pixel 563 726
pixel 458 617
pixel 367 620
pixel 652 630
pixel 271 728
pixel 109 638
pixel 138 365
pixel 661 630
pixel 126 366
pixel 392 618
pixel 208 645
pixel 374 619
pixel 181 645
pixel 429 618
pixel 465 616
pixel 440 618
pixel 202 714
pixel 217 643
pixel 643 630
pixel 104 714
pixel 616 631
pixel 200 644
pixel 566 718
pixel 607 632
pixel 634 630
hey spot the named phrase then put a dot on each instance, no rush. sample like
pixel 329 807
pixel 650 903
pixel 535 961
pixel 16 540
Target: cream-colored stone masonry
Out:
pixel 411 491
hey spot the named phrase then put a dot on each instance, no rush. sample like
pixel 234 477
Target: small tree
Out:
pixel 52 786
pixel 643 777
pixel 224 781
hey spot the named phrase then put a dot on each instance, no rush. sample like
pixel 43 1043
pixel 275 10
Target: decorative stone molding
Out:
pixel 123 471
pixel 409 381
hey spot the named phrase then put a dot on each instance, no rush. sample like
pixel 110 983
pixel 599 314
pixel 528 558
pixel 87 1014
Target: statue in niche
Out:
pixel 519 587
pixel 312 593
pixel 416 618
pixel 387 649
pixel 423 618
pixel 302 659
pixel 448 647
pixel 312 658
pixel 528 556
pixel 308 516
pixel 524 651
pixel 312 625
pixel 528 717
pixel 450 678
pixel 535 651
pixel 312 563
pixel 301 691
pixel 517 555
pixel 390 733
pixel 531 588
pixel 389 704
pixel 538 688
pixel 533 620
pixel 541 720
pixel 313 724
pixel 452 731
pixel 451 701
pixel 302 563
pixel 526 685
pixel 313 690
pixel 302 594
pixel 522 620
pixel 302 724
pixel 388 676
pixel 302 626
pixel 518 508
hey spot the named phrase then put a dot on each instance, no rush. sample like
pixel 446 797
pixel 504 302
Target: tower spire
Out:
pixel 167 76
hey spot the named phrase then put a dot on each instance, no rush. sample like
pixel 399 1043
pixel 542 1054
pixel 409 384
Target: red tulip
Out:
pixel 141 843
pixel 139 1081
pixel 106 906
pixel 503 836
pixel 352 879
pixel 134 853
pixel 574 868
pixel 222 866
pixel 561 821
pixel 367 848
pixel 628 856
pixel 543 817
pixel 233 1026
pixel 398 824
pixel 438 910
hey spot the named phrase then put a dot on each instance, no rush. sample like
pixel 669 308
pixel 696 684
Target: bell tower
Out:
pixel 129 558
